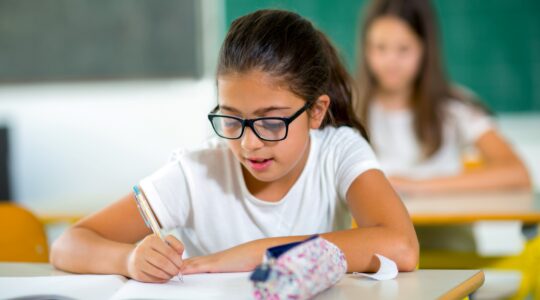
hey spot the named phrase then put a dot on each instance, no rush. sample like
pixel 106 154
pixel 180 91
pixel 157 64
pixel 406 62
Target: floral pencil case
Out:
pixel 298 270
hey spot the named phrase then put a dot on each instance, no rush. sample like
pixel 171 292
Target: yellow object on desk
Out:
pixel 22 236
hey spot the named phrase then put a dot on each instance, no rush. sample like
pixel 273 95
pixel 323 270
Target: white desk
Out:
pixel 421 284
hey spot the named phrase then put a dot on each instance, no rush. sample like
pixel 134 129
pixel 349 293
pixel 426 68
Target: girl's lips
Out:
pixel 259 165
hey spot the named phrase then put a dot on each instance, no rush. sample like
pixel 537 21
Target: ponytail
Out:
pixel 341 90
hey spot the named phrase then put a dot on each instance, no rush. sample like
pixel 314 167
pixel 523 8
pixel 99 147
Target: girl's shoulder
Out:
pixel 330 139
pixel 469 119
pixel 331 134
pixel 464 103
pixel 464 110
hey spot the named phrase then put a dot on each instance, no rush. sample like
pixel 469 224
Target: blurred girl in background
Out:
pixel 420 124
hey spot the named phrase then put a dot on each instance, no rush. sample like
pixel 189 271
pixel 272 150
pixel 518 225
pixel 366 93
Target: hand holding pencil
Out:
pixel 156 258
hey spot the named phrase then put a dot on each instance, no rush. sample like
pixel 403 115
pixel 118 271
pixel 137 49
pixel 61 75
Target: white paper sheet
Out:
pixel 196 286
pixel 387 270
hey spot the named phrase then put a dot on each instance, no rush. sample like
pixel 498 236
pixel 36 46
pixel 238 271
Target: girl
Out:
pixel 291 161
pixel 419 123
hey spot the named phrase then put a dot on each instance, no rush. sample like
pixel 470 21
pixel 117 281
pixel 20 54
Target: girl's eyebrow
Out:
pixel 260 111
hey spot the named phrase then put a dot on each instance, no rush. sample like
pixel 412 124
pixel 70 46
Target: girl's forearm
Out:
pixel 80 250
pixel 487 178
pixel 359 246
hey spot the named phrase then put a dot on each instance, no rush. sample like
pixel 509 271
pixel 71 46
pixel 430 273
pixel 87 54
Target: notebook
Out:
pixel 196 286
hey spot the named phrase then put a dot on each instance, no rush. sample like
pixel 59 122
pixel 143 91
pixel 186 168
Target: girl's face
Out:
pixel 394 53
pixel 254 95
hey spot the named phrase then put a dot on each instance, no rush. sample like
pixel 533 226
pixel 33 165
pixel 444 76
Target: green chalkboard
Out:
pixel 492 47
pixel 99 39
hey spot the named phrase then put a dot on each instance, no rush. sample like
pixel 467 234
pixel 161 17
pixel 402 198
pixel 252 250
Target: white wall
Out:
pixel 77 146
pixel 522 130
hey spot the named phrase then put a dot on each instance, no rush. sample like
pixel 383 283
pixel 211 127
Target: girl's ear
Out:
pixel 318 111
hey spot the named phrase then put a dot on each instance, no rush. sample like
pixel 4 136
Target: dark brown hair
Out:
pixel 431 90
pixel 289 48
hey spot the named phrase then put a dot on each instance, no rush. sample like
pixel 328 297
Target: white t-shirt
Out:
pixel 203 194
pixel 399 152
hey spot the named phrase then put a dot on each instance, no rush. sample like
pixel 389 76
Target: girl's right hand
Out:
pixel 154 260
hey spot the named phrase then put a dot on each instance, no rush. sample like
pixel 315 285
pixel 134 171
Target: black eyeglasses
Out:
pixel 270 129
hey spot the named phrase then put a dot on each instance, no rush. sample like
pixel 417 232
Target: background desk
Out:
pixel 430 213
pixel 459 208
pixel 421 284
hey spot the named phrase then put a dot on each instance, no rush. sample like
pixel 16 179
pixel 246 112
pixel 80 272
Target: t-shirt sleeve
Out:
pixel 167 192
pixel 354 156
pixel 471 122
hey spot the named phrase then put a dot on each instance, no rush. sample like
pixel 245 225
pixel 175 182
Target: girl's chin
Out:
pixel 263 176
pixel 393 86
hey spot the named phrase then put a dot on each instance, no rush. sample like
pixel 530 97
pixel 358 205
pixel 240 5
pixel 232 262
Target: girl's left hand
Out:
pixel 241 258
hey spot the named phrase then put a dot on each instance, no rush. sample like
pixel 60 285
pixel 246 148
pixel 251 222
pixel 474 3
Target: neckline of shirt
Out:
pixel 379 107
pixel 247 194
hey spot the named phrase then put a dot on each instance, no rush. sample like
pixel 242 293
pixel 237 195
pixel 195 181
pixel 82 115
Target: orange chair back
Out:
pixel 22 236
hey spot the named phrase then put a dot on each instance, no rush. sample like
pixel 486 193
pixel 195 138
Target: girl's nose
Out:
pixel 250 141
